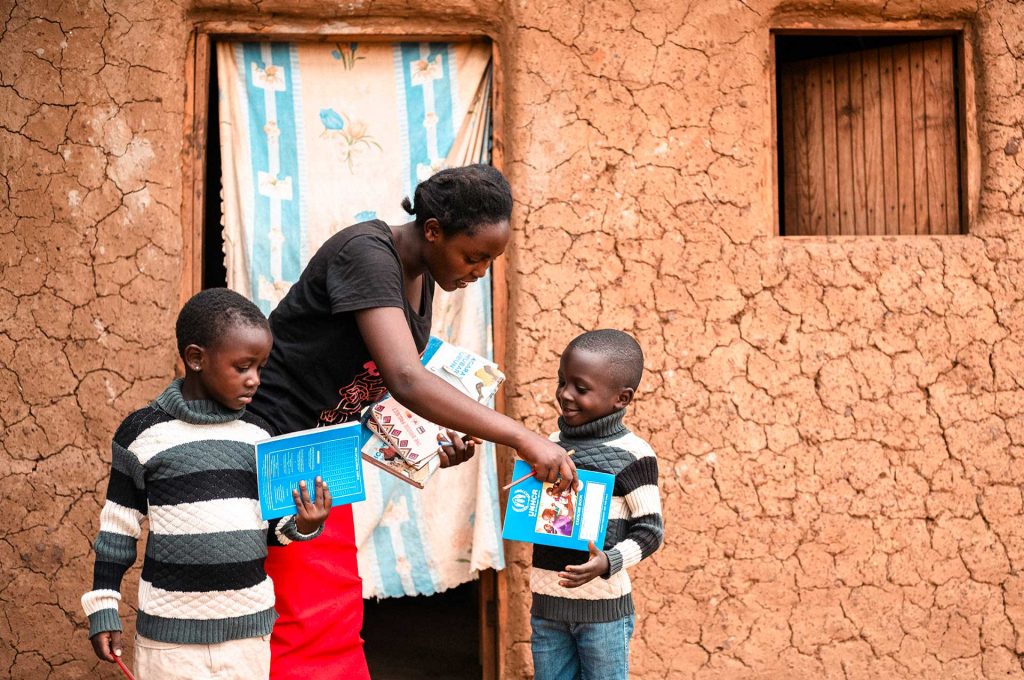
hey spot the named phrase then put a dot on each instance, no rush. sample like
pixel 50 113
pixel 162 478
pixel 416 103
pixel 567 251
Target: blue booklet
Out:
pixel 535 514
pixel 331 452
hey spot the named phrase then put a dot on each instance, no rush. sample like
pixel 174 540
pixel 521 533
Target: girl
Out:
pixel 350 329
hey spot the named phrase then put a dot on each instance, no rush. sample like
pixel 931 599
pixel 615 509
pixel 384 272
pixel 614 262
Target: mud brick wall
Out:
pixel 90 137
pixel 840 423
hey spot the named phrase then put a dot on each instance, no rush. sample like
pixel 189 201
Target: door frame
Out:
pixel 198 62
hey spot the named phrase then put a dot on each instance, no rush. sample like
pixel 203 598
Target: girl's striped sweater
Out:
pixel 190 467
pixel 635 527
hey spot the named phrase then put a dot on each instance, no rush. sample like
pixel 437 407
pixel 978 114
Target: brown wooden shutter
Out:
pixel 869 142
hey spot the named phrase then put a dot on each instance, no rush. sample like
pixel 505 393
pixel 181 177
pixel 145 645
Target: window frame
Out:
pixel 969 148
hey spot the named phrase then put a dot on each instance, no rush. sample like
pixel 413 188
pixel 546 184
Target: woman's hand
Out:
pixel 550 462
pixel 311 513
pixel 456 450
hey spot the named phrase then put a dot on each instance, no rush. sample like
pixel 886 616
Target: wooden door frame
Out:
pixel 493 584
pixel 964 39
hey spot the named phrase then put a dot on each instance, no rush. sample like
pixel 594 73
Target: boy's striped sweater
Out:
pixel 635 527
pixel 190 466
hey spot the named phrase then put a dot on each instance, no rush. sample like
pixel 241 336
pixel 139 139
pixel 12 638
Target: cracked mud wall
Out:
pixel 91 99
pixel 840 424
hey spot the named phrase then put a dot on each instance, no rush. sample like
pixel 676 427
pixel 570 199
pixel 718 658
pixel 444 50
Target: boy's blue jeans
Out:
pixel 581 651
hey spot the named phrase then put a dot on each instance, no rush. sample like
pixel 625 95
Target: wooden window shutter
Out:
pixel 869 142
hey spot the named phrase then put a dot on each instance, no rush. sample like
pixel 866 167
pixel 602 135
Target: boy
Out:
pixel 582 623
pixel 206 606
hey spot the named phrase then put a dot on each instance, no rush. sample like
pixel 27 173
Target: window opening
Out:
pixel 869 131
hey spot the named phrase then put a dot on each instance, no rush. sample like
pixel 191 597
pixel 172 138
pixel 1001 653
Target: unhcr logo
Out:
pixel 520 500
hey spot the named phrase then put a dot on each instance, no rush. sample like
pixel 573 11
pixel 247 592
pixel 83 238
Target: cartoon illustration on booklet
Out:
pixel 536 514
pixel 556 514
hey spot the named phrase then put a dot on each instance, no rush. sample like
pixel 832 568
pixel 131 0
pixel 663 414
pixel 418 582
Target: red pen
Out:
pixel 124 669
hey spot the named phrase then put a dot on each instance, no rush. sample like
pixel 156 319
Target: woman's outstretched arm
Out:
pixel 389 341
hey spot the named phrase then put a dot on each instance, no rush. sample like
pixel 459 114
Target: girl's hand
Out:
pixel 459 450
pixel 550 463
pixel 107 645
pixel 310 514
pixel 575 576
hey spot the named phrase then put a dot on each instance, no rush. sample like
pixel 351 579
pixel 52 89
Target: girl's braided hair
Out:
pixel 462 199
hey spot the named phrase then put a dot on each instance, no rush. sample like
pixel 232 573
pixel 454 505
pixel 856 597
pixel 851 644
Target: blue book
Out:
pixel 331 452
pixel 534 514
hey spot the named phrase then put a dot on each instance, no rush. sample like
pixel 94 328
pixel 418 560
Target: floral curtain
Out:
pixel 316 137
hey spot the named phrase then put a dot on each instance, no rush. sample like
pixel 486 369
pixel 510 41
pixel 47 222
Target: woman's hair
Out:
pixel 208 314
pixel 461 199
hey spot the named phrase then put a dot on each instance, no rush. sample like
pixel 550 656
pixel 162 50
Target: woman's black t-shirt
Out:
pixel 319 371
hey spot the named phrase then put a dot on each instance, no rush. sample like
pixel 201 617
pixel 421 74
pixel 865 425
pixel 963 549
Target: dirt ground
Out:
pixel 840 423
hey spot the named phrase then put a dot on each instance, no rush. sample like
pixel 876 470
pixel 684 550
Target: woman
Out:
pixel 351 328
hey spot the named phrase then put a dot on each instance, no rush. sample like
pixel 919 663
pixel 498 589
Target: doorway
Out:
pixel 435 637
pixel 452 634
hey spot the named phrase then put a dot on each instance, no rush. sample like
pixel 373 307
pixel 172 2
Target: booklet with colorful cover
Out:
pixel 378 452
pixel 331 452
pixel 535 514
pixel 414 438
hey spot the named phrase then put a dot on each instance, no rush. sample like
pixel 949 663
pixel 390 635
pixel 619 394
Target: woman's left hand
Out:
pixel 456 450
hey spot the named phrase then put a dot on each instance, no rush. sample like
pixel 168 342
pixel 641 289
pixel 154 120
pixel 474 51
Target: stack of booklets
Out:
pixel 380 452
pixel 406 445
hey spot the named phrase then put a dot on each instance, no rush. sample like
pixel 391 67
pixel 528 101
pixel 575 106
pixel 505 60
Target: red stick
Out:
pixel 124 669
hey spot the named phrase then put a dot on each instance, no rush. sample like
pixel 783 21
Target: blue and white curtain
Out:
pixel 316 137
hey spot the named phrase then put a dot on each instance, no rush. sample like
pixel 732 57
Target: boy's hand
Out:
pixel 575 576
pixel 459 451
pixel 107 645
pixel 310 514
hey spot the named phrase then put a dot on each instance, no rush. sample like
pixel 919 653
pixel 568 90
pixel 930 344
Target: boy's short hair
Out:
pixel 208 314
pixel 621 349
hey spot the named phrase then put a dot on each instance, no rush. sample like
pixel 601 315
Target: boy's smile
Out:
pixel 229 371
pixel 587 388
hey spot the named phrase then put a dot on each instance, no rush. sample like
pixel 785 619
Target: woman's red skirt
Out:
pixel 320 606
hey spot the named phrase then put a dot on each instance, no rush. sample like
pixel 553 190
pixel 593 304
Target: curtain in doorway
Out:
pixel 319 136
